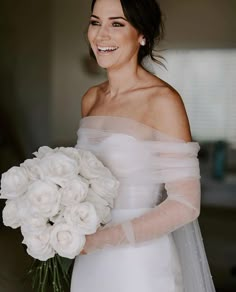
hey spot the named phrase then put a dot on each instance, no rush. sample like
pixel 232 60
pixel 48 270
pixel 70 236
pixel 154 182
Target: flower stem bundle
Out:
pixel 51 274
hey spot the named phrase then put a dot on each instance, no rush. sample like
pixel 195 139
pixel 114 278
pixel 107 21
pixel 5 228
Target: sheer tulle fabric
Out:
pixel 155 162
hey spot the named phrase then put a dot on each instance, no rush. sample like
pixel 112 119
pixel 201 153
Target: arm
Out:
pixel 182 206
pixel 88 101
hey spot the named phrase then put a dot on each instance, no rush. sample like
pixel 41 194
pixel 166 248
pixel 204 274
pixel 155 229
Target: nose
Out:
pixel 103 33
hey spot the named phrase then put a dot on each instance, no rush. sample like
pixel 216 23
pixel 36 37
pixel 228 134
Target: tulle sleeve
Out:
pixel 176 166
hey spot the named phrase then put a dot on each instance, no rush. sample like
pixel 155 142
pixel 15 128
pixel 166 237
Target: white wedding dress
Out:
pixel 161 249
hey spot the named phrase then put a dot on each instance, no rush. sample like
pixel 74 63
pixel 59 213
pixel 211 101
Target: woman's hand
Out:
pixel 88 244
pixel 83 252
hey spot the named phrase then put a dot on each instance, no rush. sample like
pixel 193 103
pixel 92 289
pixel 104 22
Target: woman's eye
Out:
pixel 117 24
pixel 94 22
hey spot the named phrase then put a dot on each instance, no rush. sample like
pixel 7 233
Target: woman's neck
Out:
pixel 123 79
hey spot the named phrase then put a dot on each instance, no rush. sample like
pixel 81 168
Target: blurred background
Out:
pixel 45 69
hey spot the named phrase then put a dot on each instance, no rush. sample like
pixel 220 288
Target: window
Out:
pixel 206 80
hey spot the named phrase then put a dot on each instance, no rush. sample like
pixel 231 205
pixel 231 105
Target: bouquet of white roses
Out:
pixel 57 198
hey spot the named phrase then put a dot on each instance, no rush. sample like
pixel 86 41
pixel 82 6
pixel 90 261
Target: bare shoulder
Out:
pixel 89 98
pixel 167 112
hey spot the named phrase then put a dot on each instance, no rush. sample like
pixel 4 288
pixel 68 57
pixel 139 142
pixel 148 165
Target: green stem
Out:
pixel 58 274
pixel 45 275
pixel 54 275
pixel 33 271
pixel 40 275
pixel 54 270
pixel 65 273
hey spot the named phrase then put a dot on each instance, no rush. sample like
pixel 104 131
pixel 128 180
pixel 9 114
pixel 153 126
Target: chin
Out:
pixel 111 65
pixel 104 65
pixel 107 62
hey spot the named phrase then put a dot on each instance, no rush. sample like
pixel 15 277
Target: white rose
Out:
pixel 74 192
pixel 44 198
pixel 59 217
pixel 58 168
pixel 14 183
pixel 33 224
pixel 24 208
pixel 91 167
pixel 10 214
pixel 106 187
pixel 83 216
pixel 44 151
pixel 72 153
pixel 102 208
pixel 32 168
pixel 38 245
pixel 66 240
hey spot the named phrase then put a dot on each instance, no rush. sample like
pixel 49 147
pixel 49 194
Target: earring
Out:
pixel 143 42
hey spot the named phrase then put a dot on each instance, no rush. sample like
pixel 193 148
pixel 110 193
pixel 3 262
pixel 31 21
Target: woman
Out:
pixel 137 125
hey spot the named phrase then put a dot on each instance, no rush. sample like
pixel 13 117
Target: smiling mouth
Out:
pixel 106 49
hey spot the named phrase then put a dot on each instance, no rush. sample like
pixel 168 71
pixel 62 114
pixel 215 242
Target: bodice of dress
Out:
pixel 132 152
pixel 130 164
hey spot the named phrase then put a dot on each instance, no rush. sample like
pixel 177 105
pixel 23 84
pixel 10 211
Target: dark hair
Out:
pixel 147 18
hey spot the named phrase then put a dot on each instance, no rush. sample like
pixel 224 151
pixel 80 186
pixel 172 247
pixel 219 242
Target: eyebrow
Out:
pixel 111 18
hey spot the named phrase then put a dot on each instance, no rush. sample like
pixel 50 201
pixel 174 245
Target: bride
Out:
pixel 137 125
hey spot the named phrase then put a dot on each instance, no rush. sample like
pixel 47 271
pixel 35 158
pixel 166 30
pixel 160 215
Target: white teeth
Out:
pixel 107 49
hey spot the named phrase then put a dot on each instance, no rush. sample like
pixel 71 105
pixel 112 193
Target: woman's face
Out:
pixel 114 41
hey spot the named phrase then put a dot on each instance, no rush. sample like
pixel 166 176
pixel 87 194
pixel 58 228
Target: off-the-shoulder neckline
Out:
pixel 124 118
pixel 137 122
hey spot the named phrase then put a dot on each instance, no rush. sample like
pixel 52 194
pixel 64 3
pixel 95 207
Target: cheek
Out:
pixel 130 39
pixel 90 35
